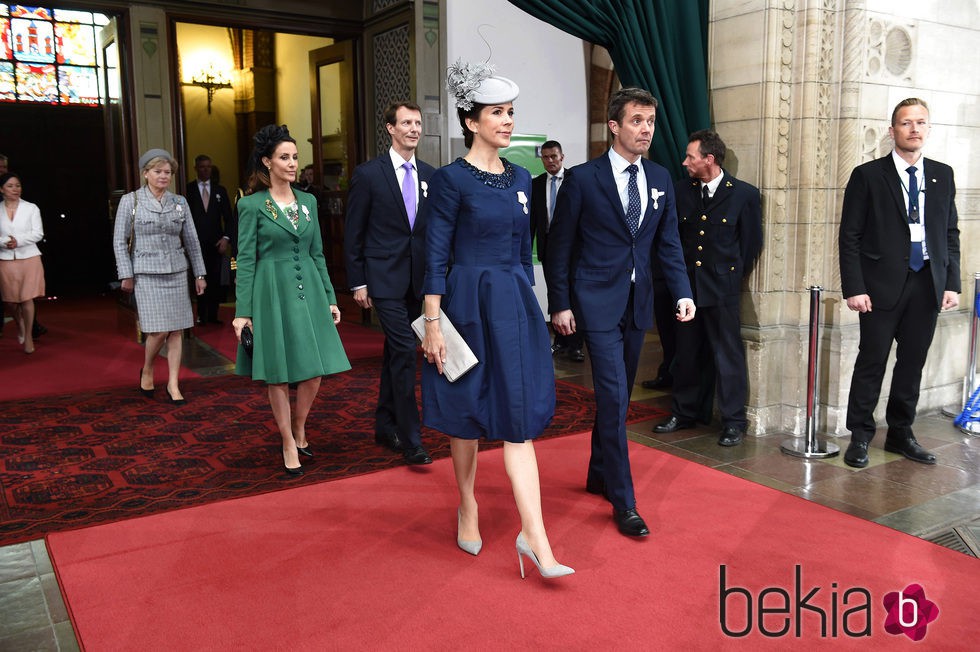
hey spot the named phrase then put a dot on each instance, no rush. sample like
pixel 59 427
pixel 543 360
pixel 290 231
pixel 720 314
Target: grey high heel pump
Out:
pixel 524 550
pixel 472 547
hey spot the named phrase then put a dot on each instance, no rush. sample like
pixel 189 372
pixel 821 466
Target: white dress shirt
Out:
pixel 920 177
pixel 622 177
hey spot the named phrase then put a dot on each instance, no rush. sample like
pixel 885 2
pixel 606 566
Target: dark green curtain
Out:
pixel 659 45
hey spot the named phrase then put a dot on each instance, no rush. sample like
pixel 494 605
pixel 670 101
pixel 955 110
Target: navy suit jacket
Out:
pixel 380 248
pixel 721 241
pixel 874 232
pixel 591 254
pixel 216 222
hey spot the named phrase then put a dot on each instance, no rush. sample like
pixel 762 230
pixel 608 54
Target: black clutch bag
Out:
pixel 247 340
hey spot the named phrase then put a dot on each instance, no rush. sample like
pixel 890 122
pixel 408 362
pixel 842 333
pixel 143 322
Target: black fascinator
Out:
pixel 268 137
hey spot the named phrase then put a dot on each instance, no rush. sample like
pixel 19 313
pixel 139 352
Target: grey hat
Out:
pixel 496 90
pixel 475 82
pixel 151 154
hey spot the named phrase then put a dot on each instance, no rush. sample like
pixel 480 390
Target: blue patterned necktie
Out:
pixel 916 260
pixel 408 194
pixel 633 206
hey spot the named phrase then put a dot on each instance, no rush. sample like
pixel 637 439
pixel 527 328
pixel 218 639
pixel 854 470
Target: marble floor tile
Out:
pixel 939 513
pixel 934 478
pixel 16 562
pixel 794 471
pixel 22 605
pixel 37 639
pixel 874 495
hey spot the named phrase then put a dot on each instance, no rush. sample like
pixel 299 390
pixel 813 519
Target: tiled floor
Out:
pixel 915 498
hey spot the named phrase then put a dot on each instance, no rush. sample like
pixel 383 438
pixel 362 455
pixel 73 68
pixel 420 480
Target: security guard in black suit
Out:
pixel 720 222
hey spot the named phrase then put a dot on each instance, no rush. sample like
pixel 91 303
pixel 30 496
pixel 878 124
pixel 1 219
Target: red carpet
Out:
pixel 359 341
pixel 88 346
pixel 75 460
pixel 371 563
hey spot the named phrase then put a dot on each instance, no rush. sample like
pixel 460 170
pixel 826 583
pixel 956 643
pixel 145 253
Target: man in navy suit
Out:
pixel 899 266
pixel 384 244
pixel 613 214
pixel 544 191
pixel 211 210
pixel 720 223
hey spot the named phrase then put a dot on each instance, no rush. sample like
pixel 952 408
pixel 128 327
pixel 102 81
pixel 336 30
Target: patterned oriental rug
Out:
pixel 101 456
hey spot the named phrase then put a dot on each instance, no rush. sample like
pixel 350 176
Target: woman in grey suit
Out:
pixel 153 239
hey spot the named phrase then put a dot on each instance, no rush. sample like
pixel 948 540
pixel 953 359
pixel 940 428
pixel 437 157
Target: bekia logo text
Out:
pixel 800 611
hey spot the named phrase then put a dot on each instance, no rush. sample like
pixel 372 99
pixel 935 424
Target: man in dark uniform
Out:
pixel 211 209
pixel 720 223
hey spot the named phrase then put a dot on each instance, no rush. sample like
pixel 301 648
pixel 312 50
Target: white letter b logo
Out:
pixel 902 601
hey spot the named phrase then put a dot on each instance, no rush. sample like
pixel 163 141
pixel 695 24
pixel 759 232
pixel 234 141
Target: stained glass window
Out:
pixel 51 55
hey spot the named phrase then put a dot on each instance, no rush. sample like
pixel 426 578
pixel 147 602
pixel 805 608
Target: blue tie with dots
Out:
pixel 916 261
pixel 633 205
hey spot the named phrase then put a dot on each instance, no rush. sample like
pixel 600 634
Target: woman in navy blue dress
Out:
pixel 478 270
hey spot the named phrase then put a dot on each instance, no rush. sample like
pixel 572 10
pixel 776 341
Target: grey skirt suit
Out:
pixel 164 245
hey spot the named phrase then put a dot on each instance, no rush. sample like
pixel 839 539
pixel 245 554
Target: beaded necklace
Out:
pixel 501 181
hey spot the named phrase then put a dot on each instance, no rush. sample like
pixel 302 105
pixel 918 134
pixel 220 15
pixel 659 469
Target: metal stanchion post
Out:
pixel 810 447
pixel 970 381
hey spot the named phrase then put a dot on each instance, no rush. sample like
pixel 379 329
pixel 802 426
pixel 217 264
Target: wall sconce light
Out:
pixel 210 80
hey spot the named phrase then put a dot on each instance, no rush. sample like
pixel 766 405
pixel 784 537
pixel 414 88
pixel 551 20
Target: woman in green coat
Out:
pixel 284 293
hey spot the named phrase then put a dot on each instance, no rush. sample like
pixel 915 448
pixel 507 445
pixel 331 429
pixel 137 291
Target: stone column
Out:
pixel 802 92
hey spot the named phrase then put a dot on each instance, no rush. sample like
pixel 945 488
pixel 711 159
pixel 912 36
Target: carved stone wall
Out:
pixel 392 79
pixel 799 113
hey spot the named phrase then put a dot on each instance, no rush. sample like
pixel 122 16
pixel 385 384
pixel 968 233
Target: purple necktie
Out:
pixel 408 194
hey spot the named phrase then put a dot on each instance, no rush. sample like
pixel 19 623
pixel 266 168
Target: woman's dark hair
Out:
pixel 266 140
pixel 8 176
pixel 472 114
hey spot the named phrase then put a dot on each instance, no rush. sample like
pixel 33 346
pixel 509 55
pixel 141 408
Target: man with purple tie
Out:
pixel 384 246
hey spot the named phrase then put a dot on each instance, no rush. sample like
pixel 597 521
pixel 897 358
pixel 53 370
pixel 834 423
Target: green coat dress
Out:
pixel 283 286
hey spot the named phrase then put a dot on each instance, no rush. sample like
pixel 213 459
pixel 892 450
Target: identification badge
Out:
pixel 917 233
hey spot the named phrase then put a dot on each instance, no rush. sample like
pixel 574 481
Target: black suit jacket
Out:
pixel 539 212
pixel 380 248
pixel 216 222
pixel 874 232
pixel 721 240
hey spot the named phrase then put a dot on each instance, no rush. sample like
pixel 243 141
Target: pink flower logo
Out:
pixel 909 612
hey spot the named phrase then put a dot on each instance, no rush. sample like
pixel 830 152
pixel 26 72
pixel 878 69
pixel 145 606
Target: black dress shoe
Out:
pixel 576 355
pixel 911 449
pixel 390 440
pixel 37 330
pixel 857 454
pixel 660 382
pixel 731 436
pixel 307 451
pixel 673 424
pixel 417 455
pixel 557 349
pixel 175 401
pixel 630 523
pixel 297 471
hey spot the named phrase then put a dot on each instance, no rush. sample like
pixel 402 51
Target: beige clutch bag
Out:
pixel 459 357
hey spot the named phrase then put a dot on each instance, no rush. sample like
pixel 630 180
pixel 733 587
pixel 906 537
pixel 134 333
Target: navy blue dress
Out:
pixel 478 228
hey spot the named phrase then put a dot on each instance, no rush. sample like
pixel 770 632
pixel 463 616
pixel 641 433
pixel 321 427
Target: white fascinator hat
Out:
pixel 475 83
